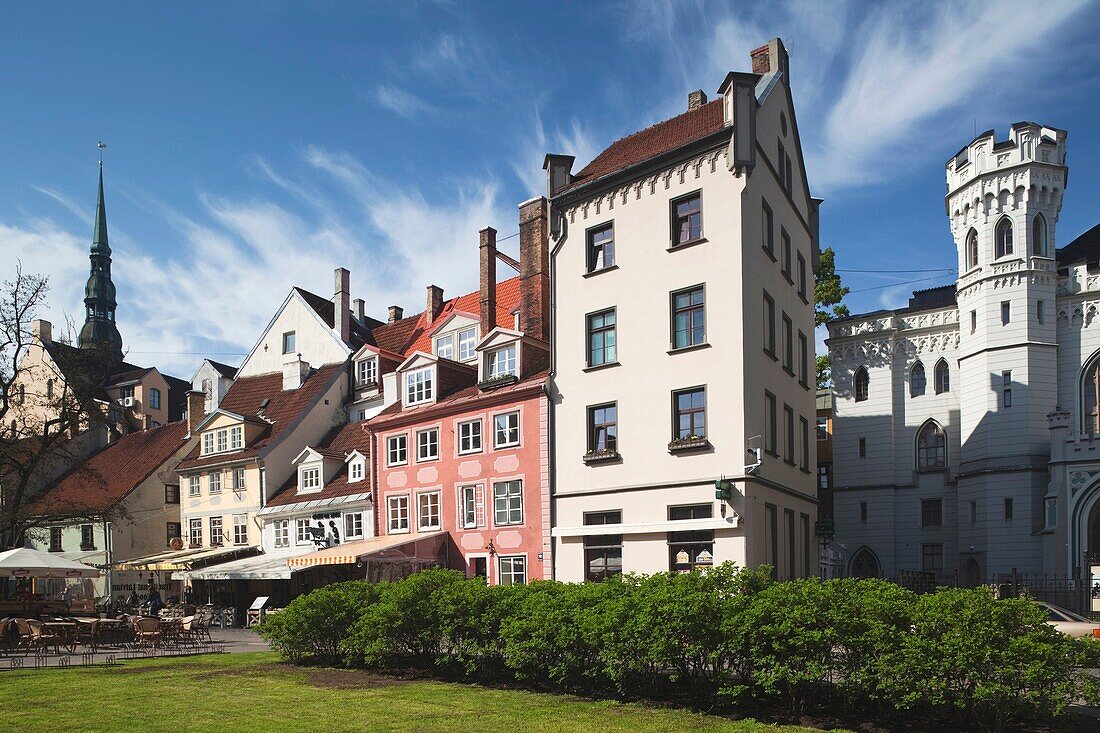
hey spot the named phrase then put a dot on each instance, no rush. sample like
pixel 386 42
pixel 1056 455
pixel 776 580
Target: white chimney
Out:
pixel 295 372
pixel 341 300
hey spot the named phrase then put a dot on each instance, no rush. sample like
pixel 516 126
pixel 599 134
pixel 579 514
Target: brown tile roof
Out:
pixel 467 395
pixel 108 476
pixel 326 309
pixel 248 393
pixel 336 444
pixel 652 141
pixel 414 334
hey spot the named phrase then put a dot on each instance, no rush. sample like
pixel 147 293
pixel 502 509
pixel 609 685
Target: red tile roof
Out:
pixel 108 476
pixel 469 394
pixel 248 393
pixel 414 334
pixel 652 141
pixel 339 442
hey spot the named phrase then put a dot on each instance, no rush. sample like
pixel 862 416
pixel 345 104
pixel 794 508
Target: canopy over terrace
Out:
pixel 23 562
pixel 176 560
pixel 382 558
pixel 259 567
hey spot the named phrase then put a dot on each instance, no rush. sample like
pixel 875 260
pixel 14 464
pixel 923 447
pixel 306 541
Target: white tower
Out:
pixel 1003 200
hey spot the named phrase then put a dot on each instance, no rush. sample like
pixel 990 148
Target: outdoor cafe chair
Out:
pixel 147 630
pixel 41 637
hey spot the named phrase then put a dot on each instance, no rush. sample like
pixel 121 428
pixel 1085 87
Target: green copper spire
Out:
pixel 99 238
pixel 99 331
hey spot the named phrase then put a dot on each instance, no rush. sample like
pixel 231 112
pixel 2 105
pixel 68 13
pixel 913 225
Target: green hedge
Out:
pixel 718 639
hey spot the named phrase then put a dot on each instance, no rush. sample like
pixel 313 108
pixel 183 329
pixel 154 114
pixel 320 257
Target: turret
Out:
pixel 99 331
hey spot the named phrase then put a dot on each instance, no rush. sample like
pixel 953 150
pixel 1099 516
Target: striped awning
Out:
pixel 351 552
pixel 185 559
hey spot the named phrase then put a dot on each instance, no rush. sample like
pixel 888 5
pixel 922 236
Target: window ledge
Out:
pixel 934 469
pixel 687 445
pixel 803 298
pixel 805 471
pixel 598 367
pixel 787 277
pixel 803 385
pixel 593 273
pixel 685 245
pixel 771 356
pixel 601 456
pixel 789 462
pixel 496 382
pixel 769 252
pixel 789 371
pixel 693 347
pixel 771 453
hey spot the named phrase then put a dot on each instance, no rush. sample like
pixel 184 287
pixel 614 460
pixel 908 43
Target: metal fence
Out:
pixel 1073 594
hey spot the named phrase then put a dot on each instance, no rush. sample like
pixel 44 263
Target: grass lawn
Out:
pixel 255 692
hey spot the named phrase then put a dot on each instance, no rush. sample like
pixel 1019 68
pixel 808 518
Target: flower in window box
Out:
pixel 690 442
pixel 498 381
pixel 596 456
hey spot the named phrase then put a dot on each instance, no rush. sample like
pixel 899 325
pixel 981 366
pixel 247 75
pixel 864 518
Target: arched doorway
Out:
pixel 971 573
pixel 865 564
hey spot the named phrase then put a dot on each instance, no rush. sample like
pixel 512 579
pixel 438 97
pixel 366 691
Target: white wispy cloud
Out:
pixel 401 102
pixel 576 139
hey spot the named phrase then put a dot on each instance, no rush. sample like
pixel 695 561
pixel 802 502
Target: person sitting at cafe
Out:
pixel 155 604
pixel 133 599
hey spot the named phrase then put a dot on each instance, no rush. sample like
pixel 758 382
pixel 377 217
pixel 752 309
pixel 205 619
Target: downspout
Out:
pixel 551 456
pixel 108 547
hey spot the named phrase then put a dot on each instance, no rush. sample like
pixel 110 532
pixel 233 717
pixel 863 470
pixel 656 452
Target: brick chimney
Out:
pixel 359 307
pixel 433 304
pixel 396 313
pixel 488 247
pixel 696 99
pixel 341 301
pixel 771 57
pixel 42 331
pixel 196 408
pixel 534 269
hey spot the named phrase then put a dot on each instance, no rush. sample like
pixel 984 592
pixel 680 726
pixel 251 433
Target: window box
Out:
pixel 601 456
pixel 690 443
pixel 499 380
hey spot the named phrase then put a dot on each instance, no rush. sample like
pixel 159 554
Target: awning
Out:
pixel 185 559
pixel 23 562
pixel 313 504
pixel 351 552
pixel 260 567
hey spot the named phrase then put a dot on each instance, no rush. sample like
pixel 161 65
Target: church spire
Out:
pixel 100 331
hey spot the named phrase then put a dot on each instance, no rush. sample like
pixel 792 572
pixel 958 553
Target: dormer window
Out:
pixel 366 372
pixel 419 386
pixel 445 346
pixel 356 469
pixel 222 438
pixel 502 362
pixel 467 340
pixel 207 443
pixel 236 437
pixel 309 479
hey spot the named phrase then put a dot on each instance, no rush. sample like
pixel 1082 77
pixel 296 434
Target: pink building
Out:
pixel 463 447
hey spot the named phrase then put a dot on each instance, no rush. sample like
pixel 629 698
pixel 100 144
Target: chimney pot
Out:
pixel 42 330
pixel 534 261
pixel 196 408
pixel 488 301
pixel 396 313
pixel 696 99
pixel 341 301
pixel 433 304
pixel 360 308
pixel 770 57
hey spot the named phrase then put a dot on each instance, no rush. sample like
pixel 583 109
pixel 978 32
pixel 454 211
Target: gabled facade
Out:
pixel 683 263
pixel 213 379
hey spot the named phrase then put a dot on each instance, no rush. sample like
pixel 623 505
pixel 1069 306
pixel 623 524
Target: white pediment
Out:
pixel 417 360
pixel 499 336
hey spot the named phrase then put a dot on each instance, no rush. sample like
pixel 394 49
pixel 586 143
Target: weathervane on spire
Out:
pixel 102 146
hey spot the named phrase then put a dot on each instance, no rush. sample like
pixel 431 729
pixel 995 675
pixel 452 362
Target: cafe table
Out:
pixel 65 631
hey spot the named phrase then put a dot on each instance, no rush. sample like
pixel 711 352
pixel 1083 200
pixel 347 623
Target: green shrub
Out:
pixel 316 624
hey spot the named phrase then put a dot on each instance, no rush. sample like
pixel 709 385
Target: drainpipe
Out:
pixel 110 557
pixel 551 455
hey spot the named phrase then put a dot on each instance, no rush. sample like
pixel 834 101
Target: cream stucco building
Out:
pixel 682 281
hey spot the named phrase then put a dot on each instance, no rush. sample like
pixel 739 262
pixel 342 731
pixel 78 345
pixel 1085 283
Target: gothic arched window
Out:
pixel 931 446
pixel 917 380
pixel 1039 235
pixel 971 250
pixel 943 377
pixel 1090 388
pixel 1003 238
pixel 865 564
pixel 862 385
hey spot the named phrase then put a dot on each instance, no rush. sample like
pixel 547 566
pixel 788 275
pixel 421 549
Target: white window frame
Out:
pixel 471 500
pixel 421 523
pixel 397 507
pixel 240 529
pixel 236 437
pixel 353 525
pixel 497 443
pixel 302 535
pixel 502 362
pixel 194 485
pixel 222 440
pixel 366 372
pixel 445 342
pixel 420 386
pixel 509 506
pixel 512 574
pixel 239 479
pixel 282 532
pixel 208 442
pixel 217 537
pixel 424 444
pixel 392 448
pixel 194 532
pixel 309 479
pixel 356 471
pixel 467 436
pixel 466 344
pixel 214 482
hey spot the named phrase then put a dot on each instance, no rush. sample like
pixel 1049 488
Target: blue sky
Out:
pixel 255 146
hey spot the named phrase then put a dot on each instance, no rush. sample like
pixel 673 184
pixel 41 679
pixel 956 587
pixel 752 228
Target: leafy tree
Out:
pixel 829 291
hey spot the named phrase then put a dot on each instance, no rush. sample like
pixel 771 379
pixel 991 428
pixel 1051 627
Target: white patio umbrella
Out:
pixel 23 562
